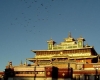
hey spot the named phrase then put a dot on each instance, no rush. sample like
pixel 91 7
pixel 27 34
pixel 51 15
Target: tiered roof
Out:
pixel 69 43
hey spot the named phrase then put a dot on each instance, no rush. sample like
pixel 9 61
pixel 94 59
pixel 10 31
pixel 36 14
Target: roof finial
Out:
pixel 51 38
pixel 21 62
pixel 80 36
pixel 69 35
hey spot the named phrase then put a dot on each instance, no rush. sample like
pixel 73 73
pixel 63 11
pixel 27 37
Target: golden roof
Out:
pixel 81 38
pixel 70 38
pixel 51 40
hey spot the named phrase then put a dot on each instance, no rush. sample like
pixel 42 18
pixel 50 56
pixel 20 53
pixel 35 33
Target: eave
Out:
pixel 32 59
pixel 61 49
pixel 82 57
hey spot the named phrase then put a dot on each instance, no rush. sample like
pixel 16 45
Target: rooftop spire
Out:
pixel 51 38
pixel 69 35
pixel 21 62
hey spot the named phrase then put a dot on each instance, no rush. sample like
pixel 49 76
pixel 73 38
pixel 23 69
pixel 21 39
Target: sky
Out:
pixel 26 25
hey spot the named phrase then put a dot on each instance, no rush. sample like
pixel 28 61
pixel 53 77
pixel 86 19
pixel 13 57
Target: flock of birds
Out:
pixel 28 23
pixel 30 5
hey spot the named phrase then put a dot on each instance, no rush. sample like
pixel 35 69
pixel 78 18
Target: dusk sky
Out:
pixel 26 25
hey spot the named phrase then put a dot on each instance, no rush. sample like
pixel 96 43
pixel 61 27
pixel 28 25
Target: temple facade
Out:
pixel 68 60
